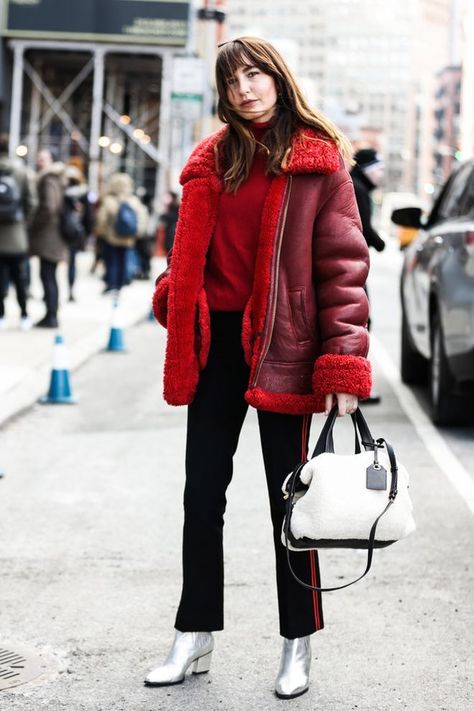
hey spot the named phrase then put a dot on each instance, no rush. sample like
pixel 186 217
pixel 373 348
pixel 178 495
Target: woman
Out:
pixel 77 219
pixel 121 219
pixel 46 241
pixel 264 304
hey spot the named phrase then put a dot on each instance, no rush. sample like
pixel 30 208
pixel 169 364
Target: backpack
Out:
pixel 126 222
pixel 10 200
pixel 71 225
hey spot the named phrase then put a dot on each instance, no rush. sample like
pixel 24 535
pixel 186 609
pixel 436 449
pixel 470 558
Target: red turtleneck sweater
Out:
pixel 230 267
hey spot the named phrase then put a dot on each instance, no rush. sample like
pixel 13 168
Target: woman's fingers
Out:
pixel 341 404
pixel 346 403
pixel 329 403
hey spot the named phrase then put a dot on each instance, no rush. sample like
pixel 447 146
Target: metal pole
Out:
pixel 191 45
pixel 17 98
pixel 210 48
pixel 34 130
pixel 96 119
pixel 161 182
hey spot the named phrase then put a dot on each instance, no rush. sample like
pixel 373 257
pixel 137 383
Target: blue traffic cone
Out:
pixel 60 387
pixel 116 343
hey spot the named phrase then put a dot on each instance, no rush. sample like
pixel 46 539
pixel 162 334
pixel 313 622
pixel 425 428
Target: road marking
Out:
pixel 442 454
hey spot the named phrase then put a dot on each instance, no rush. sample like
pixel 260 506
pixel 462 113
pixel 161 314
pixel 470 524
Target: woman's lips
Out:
pixel 247 103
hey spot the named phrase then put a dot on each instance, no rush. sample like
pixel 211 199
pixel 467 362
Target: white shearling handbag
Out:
pixel 347 501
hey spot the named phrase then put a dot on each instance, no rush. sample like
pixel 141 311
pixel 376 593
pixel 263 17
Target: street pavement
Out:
pixel 25 357
pixel 90 519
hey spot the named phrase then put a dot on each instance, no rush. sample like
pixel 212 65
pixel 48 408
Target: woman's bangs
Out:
pixel 234 55
pixel 230 58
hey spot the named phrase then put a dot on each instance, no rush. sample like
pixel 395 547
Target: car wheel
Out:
pixel 413 367
pixel 447 408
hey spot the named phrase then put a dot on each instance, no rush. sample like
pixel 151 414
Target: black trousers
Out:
pixel 215 419
pixel 50 285
pixel 13 268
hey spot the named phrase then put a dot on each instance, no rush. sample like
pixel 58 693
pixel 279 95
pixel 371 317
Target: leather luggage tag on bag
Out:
pixel 376 477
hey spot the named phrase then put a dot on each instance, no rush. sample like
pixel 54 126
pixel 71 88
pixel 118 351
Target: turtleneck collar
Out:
pixel 257 125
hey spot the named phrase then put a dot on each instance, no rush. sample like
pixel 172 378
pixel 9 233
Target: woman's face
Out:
pixel 252 94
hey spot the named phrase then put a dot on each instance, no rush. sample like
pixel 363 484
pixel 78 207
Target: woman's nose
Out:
pixel 244 86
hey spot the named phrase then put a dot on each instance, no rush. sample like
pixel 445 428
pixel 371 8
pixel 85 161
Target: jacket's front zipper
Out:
pixel 274 277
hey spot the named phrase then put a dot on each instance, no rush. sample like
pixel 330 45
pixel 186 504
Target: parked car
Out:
pixel 437 295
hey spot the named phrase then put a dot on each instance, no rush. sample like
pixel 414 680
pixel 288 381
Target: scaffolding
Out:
pixel 103 107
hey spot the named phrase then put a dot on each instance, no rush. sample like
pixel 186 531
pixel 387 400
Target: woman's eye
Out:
pixel 230 82
pixel 252 74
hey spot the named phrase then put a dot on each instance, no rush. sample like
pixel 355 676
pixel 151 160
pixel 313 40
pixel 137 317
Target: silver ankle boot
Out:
pixel 293 675
pixel 188 648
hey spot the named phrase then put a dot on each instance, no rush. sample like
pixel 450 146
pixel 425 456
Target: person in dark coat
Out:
pixel 264 305
pixel 14 176
pixel 77 204
pixel 169 219
pixel 367 174
pixel 46 241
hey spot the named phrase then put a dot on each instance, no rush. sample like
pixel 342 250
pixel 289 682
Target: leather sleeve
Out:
pixel 341 265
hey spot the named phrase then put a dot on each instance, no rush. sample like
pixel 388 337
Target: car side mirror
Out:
pixel 407 217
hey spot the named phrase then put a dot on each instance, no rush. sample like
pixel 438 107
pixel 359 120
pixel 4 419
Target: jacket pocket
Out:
pixel 299 319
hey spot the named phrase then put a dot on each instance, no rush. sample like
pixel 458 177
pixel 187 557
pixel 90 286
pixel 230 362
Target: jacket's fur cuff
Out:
pixel 342 374
pixel 160 301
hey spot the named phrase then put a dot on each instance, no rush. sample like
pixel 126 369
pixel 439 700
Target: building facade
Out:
pixel 447 124
pixel 374 65
pixel 93 83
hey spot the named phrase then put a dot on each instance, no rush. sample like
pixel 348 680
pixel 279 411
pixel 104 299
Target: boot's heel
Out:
pixel 203 664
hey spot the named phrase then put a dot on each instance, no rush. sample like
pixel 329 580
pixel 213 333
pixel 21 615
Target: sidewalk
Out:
pixel 25 357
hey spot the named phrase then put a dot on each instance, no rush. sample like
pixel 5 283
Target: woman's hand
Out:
pixel 346 403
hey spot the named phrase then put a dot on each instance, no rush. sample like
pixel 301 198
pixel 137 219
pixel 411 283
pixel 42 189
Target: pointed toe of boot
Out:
pixel 189 648
pixel 288 687
pixel 166 675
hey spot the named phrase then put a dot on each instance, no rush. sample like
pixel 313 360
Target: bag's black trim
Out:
pixel 308 544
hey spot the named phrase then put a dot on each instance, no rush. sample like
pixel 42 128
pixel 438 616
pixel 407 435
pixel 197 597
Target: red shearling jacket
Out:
pixel 304 330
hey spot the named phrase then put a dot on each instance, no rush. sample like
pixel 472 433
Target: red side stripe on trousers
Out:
pixel 312 558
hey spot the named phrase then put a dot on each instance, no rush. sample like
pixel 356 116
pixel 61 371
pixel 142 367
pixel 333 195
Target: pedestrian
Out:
pixel 367 174
pixel 17 203
pixel 78 215
pixel 264 304
pixel 121 219
pixel 46 241
pixel 169 218
pixel 145 242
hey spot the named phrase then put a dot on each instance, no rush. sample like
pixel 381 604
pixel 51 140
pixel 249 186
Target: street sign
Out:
pixel 188 75
pixel 130 21
pixel 187 87
pixel 186 106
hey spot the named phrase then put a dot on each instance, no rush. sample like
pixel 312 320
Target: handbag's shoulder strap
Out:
pixel 370 553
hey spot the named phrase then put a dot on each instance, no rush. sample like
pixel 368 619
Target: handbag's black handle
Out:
pixel 325 441
pixel 291 489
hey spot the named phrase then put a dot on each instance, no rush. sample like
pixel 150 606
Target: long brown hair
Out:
pixel 235 152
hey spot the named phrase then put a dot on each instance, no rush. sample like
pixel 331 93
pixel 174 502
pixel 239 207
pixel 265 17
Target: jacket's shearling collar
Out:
pixel 309 153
